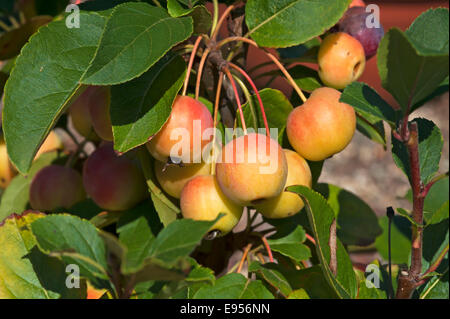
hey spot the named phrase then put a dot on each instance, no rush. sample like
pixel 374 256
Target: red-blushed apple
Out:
pixel 100 102
pixel 202 199
pixel 187 122
pixel 113 182
pixel 172 178
pixel 287 204
pixel 252 168
pixel 341 60
pixel 322 126
pixel 56 186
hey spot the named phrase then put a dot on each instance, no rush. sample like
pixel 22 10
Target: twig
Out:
pixel 409 281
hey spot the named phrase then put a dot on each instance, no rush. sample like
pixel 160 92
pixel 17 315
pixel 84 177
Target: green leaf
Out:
pixel 367 290
pixel 16 196
pixel 435 239
pixel 284 23
pixel 411 72
pixel 136 36
pixel 306 78
pixel 428 33
pixel 277 108
pixel 179 239
pixel 167 211
pixel 136 234
pixel 372 130
pixel 140 108
pixel 291 245
pixel 436 201
pixel 269 273
pixel 234 286
pixel 431 143
pixel 75 241
pixel 200 15
pixel 357 222
pixel 436 288
pixel 41 85
pixel 321 216
pixel 26 273
pixel 366 101
pixel 400 239
pixel 298 294
pixel 12 41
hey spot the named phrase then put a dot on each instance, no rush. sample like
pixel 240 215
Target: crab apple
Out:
pixel 287 204
pixel 7 171
pixel 56 186
pixel 113 182
pixel 322 126
pixel 187 122
pixel 252 168
pixel 172 178
pixel 99 105
pixel 357 3
pixel 202 199
pixel 90 113
pixel 354 23
pixel 341 60
pixel 52 143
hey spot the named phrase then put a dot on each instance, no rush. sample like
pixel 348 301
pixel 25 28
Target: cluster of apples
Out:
pixel 321 127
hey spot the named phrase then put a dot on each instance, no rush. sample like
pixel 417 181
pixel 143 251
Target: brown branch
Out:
pixel 410 280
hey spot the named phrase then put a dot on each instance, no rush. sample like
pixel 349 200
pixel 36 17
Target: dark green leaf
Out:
pixel 412 73
pixel 75 241
pixel 234 286
pixel 291 245
pixel 431 143
pixel 284 23
pixel 140 108
pixel 306 78
pixel 366 101
pixel 26 273
pixel 357 222
pixel 321 216
pixel 401 240
pixel 179 239
pixel 41 85
pixel 136 36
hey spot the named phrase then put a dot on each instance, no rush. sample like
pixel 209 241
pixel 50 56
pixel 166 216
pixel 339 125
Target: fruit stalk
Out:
pixel 191 62
pixel 261 105
pixel 238 101
pixel 270 56
pixel 200 72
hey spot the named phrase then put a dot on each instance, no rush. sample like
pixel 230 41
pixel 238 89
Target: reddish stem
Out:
pixel 311 239
pixel 269 251
pixel 244 255
pixel 261 105
pixel 191 62
pixel 200 72
pixel 233 84
pixel 270 56
pixel 216 112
